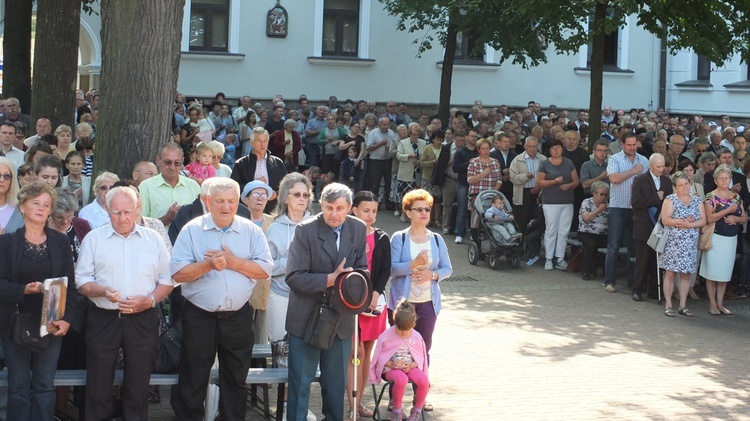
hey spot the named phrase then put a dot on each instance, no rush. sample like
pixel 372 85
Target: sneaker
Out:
pixel 532 260
pixel 396 213
pixel 561 264
pixel 396 415
pixel 459 239
pixel 548 265
pixel 610 288
pixel 415 415
pixel 446 231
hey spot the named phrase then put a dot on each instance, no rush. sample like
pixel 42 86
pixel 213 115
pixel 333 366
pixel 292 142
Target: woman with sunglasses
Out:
pixel 95 212
pixel 10 217
pixel 292 208
pixel 419 261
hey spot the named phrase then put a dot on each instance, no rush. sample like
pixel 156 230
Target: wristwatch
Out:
pixel 153 301
pixel 434 276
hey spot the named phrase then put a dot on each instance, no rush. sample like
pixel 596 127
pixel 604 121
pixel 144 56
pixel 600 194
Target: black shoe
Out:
pixel 637 296
pixel 586 276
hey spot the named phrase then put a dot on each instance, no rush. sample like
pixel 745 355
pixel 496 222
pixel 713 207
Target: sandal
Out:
pixel 685 312
pixel 714 311
pixel 669 312
pixel 725 311
pixel 363 411
pixel 427 406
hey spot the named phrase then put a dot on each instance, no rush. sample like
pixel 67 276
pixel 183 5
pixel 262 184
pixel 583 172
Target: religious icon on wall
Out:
pixel 277 21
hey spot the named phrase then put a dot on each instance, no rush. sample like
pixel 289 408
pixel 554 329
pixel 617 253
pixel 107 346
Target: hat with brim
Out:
pixel 256 184
pixel 352 292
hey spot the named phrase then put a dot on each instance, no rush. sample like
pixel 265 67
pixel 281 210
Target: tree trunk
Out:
pixel 140 65
pixel 17 52
pixel 597 76
pixel 446 76
pixel 56 61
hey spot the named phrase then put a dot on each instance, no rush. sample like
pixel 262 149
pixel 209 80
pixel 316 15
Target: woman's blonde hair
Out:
pixel 10 195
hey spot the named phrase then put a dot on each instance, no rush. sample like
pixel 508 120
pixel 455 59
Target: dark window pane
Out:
pixel 219 31
pixel 704 68
pixel 350 34
pixel 342 4
pixel 329 33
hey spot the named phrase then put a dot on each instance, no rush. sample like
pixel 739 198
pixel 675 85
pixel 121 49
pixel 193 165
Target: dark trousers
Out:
pixel 303 362
pixel 106 333
pixel 380 169
pixel 526 211
pixel 203 335
pixel 645 268
pixel 591 242
pixel 620 230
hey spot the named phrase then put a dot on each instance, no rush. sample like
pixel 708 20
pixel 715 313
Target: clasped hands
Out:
pixel 128 305
pixel 420 268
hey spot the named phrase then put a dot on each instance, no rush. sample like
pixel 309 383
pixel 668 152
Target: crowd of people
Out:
pixel 221 226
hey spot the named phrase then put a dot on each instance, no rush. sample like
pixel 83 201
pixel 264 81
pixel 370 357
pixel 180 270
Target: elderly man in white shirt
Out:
pixel 217 258
pixel 124 270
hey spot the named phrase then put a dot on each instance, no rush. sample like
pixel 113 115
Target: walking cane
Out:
pixel 658 278
pixel 355 368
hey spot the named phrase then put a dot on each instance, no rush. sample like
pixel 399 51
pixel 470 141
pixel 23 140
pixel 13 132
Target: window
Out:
pixel 341 28
pixel 704 68
pixel 611 45
pixel 466 48
pixel 209 25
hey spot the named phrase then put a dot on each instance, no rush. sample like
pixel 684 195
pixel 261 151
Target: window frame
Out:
pixel 209 10
pixel 702 68
pixel 363 37
pixel 340 17
pixel 233 41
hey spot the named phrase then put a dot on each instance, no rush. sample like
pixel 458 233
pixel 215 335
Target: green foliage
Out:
pixel 87 7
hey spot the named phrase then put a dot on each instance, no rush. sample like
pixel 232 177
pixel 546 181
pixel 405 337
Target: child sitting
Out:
pixel 205 127
pixel 401 355
pixel 201 169
pixel 497 213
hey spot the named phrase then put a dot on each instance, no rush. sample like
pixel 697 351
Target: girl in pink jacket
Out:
pixel 401 355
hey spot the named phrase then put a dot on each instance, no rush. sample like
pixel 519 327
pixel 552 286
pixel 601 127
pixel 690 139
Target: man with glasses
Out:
pixel 162 195
pixel 595 169
pixel 260 165
pixel 142 171
pixel 216 259
pixel 124 270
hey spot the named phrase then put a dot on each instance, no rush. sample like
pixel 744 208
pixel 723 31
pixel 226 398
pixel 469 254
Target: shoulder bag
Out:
pixel 658 238
pixel 25 331
pixel 321 330
pixel 704 241
pixel 168 346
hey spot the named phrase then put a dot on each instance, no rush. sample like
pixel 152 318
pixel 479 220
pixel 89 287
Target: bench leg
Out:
pixel 280 402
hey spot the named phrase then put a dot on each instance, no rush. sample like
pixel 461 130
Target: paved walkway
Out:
pixel 531 344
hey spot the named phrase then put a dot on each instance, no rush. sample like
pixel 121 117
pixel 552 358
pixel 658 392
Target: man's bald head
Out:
pixel 143 171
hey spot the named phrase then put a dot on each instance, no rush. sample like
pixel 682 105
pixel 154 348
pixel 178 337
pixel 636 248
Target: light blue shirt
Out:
pixel 532 166
pixel 225 290
pixel 132 265
pixel 619 194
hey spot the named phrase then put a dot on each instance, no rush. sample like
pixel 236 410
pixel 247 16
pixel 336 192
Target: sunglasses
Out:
pixel 297 195
pixel 421 210
pixel 262 196
pixel 6 176
pixel 171 163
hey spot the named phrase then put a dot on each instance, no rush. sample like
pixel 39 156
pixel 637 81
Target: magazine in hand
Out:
pixel 53 306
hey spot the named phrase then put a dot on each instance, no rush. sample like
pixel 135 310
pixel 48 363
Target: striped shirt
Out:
pixel 619 194
pixel 532 166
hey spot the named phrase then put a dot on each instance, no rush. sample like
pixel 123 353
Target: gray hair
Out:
pixel 598 185
pixel 714 133
pixel 289 122
pixel 654 156
pixel 206 186
pixel 122 190
pixel 258 131
pixel 723 168
pixel 368 115
pixel 106 175
pixel 217 147
pixel 707 156
pixel 66 200
pixel 287 183
pixel 223 184
pixel 680 175
pixel 336 191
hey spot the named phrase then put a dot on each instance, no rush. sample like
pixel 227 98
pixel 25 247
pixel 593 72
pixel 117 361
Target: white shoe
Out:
pixel 396 213
pixel 548 265
pixel 561 264
pixel 459 239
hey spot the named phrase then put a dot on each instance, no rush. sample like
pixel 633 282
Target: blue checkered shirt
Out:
pixel 619 194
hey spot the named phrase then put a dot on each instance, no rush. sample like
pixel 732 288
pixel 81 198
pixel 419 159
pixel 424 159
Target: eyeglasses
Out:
pixel 176 163
pixel 6 176
pixel 125 213
pixel 104 188
pixel 262 196
pixel 297 195
pixel 602 194
pixel 421 210
pixel 61 218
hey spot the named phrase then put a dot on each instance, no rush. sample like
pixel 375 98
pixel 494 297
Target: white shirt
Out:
pixel 657 181
pixel 133 265
pixel 94 214
pixel 16 156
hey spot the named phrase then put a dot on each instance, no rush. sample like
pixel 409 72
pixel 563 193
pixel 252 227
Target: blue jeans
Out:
pixel 303 362
pixel 31 396
pixel 620 227
pixel 462 201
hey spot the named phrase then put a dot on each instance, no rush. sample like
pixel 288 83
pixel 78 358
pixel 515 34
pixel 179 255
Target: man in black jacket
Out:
pixel 504 154
pixel 260 165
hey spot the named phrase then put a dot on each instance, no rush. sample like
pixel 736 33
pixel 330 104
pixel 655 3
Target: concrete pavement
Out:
pixel 532 344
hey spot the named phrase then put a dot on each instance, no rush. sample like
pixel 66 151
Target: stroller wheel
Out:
pixel 494 261
pixel 473 253
pixel 515 260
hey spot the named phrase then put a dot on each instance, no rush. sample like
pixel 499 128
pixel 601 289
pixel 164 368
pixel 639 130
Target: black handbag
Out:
pixel 25 331
pixel 321 330
pixel 168 347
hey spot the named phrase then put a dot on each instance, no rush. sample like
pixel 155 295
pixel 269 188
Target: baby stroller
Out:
pixel 493 244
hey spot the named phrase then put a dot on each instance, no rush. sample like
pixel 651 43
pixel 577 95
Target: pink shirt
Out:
pixel 387 345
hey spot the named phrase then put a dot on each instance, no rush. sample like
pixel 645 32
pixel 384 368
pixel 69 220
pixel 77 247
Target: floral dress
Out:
pixel 681 252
